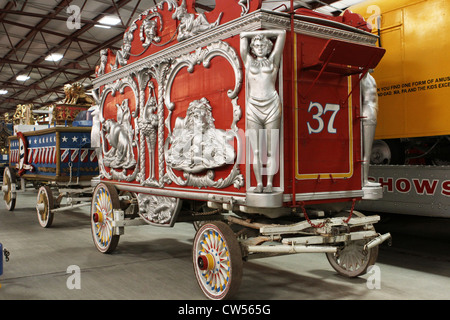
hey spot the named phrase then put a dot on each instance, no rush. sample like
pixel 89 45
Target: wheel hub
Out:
pixel 207 262
pixel 98 217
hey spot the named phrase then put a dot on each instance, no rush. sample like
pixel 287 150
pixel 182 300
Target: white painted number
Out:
pixel 318 117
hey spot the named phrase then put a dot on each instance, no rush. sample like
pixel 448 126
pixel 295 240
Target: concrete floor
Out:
pixel 155 263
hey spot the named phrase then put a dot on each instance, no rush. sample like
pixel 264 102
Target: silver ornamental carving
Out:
pixel 148 128
pixel 149 123
pixel 263 104
pixel 196 144
pixel 119 134
pixel 187 163
pixel 158 209
pixel 120 137
pixel 148 31
pixel 369 105
pixel 191 24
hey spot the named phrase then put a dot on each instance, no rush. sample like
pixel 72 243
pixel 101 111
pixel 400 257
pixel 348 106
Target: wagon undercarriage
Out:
pixel 225 239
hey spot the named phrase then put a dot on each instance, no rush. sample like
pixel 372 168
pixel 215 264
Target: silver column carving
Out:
pixel 263 105
pixel 369 105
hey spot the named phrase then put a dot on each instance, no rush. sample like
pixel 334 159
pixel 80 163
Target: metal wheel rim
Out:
pixel 215 283
pixel 102 231
pixel 381 153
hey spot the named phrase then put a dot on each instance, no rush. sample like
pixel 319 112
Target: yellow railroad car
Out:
pixel 414 76
pixel 413 127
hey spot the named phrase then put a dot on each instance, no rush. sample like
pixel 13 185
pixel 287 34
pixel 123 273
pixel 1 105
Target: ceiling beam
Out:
pixel 61 5
pixel 68 40
pixel 54 16
pixel 52 32
pixel 73 65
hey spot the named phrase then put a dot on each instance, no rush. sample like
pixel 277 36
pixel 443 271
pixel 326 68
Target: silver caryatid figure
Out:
pixel 262 59
pixel 369 103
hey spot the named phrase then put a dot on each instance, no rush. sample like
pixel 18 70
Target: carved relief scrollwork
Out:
pixel 212 155
pixel 189 25
pixel 119 134
pixel 204 56
pixel 157 209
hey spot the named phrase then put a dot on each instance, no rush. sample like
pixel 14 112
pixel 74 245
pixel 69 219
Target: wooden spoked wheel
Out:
pixel 105 200
pixel 352 259
pixel 44 206
pixel 217 260
pixel 9 196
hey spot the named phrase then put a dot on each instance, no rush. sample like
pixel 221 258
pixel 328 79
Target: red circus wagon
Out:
pixel 247 122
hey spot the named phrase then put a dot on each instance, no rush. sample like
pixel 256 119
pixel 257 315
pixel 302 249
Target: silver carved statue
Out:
pixel 120 138
pixel 263 105
pixel 123 54
pixel 369 102
pixel 196 143
pixel 148 30
pixel 191 24
pixel 103 61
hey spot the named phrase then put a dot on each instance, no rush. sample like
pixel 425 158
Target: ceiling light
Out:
pixel 102 26
pixel 54 57
pixel 110 20
pixel 3 91
pixel 22 77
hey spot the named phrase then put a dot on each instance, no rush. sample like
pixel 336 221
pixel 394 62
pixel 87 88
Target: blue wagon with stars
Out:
pixel 59 161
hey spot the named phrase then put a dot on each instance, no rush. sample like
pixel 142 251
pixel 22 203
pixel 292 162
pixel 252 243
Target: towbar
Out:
pixel 377 241
pixel 290 249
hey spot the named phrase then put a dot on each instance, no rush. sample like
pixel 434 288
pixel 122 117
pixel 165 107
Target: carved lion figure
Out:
pixel 24 114
pixel 75 94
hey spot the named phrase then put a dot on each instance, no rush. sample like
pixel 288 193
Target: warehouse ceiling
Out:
pixel 34 34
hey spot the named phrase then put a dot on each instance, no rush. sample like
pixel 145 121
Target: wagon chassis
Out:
pixel 77 195
pixel 225 239
pixel 272 239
